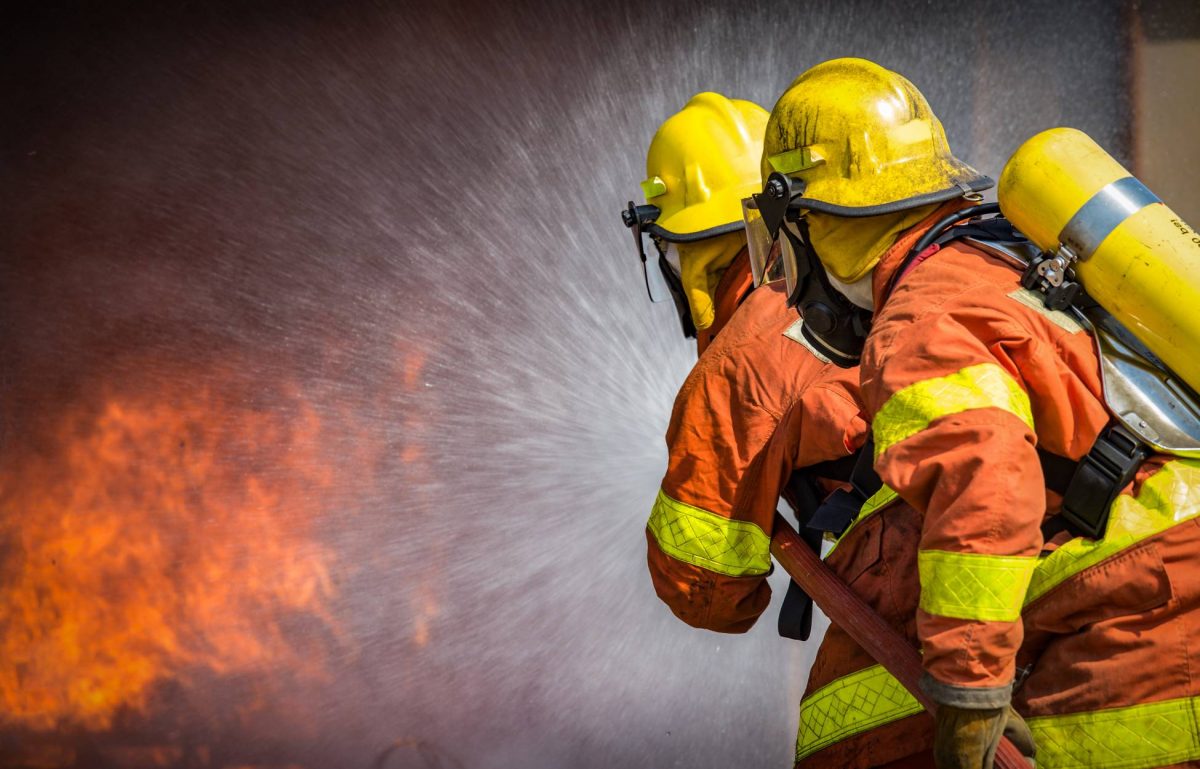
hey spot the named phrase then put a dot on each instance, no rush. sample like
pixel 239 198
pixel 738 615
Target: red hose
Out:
pixel 846 610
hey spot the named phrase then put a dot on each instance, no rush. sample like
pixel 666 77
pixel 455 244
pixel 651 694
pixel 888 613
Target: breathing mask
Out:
pixel 833 325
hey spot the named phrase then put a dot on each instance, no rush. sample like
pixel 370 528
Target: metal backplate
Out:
pixel 1139 390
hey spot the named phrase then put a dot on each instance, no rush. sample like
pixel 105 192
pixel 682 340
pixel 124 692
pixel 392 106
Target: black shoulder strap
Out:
pixel 842 506
pixel 1090 486
pixel 795 614
pixel 804 494
pixel 997 229
pixel 940 227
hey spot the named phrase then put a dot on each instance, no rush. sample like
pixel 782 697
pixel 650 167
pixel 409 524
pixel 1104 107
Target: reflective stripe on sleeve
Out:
pixel 696 536
pixel 1137 737
pixel 851 705
pixel 912 409
pixel 1167 498
pixel 974 586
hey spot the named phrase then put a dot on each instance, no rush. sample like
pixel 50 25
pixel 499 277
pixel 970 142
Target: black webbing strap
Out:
pixel 804 494
pixel 795 614
pixel 841 507
pixel 834 469
pixel 1109 467
pixel 1057 470
pixel 1090 486
pixel 996 229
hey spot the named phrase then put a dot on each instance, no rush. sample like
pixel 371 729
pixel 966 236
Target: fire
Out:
pixel 155 537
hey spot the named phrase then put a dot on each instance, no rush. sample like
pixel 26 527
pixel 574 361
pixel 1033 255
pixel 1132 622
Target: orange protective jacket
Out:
pixel 708 548
pixel 1109 652
pixel 964 376
pixel 852 714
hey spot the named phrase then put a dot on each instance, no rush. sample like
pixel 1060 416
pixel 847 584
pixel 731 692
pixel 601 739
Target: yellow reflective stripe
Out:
pixel 1137 737
pixel 795 160
pixel 1169 497
pixel 696 536
pixel 879 500
pixel 851 705
pixel 653 187
pixel 1035 301
pixel 910 410
pixel 974 586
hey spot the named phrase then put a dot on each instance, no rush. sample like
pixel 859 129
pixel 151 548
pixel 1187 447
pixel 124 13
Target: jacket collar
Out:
pixel 894 256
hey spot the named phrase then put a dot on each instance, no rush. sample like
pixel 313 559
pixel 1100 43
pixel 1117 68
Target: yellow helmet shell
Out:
pixel 702 162
pixel 864 141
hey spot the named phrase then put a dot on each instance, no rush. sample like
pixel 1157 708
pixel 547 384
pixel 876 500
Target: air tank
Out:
pixel 1135 256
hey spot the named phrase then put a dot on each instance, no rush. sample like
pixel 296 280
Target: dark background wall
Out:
pixel 367 255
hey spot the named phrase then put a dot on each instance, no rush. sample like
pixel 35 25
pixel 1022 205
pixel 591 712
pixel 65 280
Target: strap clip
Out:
pixel 840 509
pixel 1103 472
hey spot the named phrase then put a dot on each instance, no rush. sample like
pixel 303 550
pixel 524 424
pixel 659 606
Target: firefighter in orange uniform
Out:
pixel 708 562
pixel 702 162
pixel 991 432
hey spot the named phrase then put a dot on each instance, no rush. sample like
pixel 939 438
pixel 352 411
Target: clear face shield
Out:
pixel 637 218
pixel 765 264
pixel 832 323
pixel 792 255
pixel 661 276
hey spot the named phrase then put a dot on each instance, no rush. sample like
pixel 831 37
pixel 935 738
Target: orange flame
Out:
pixel 159 537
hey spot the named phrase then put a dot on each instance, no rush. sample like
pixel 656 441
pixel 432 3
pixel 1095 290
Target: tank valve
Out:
pixel 1054 269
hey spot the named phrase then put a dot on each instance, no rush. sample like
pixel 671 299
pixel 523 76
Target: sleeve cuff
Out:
pixel 967 697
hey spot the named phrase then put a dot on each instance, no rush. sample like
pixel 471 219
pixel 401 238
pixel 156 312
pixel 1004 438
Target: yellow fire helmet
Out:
pixel 864 142
pixel 702 162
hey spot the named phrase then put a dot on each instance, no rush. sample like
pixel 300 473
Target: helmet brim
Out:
pixel 719 215
pixel 854 198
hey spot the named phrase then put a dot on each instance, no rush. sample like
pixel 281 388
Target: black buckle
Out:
pixel 840 509
pixel 1103 472
pixel 1058 297
pixel 835 513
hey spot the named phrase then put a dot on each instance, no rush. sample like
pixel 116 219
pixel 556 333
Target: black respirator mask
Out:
pixel 662 281
pixel 834 326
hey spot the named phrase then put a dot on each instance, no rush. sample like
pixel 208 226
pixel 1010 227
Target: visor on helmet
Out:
pixel 765 263
pixel 637 219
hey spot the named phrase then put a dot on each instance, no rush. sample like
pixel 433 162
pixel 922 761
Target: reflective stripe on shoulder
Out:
pixel 1169 497
pixel 851 705
pixel 1033 301
pixel 912 409
pixel 1136 737
pixel 696 536
pixel 974 586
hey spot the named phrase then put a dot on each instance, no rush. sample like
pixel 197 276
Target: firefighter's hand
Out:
pixel 967 739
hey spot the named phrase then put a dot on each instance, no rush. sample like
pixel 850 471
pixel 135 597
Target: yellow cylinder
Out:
pixel 1137 258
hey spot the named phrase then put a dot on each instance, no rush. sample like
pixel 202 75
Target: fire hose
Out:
pixel 848 611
